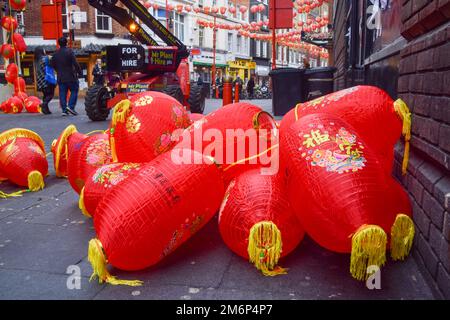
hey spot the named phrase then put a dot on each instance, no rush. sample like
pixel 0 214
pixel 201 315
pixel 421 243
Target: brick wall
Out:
pixel 33 21
pixel 424 84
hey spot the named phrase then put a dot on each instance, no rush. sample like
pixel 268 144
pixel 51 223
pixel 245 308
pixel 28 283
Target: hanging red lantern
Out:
pixel 223 10
pixel 148 5
pixel 85 156
pixel 101 181
pixel 197 9
pixel 12 72
pixel 243 9
pixel 60 150
pixel 144 219
pixel 19 42
pixel 22 158
pixel 170 7
pixel 155 6
pixel 179 8
pixel 18 5
pixel 232 10
pixel 188 8
pixel 253 8
pixel 214 10
pixel 329 164
pixel 257 222
pixel 9 23
pixel 261 7
pixel 206 10
pixel 33 104
pixel 379 120
pixel 19 85
pixel 8 51
pixel 142 127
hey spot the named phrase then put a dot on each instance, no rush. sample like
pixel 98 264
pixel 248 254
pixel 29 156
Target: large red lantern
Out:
pixel 19 42
pixel 60 151
pixel 101 181
pixel 33 104
pixel 142 127
pixel 13 105
pixel 149 215
pixel 8 51
pixel 22 158
pixel 378 120
pixel 257 222
pixel 238 136
pixel 18 5
pixel 85 156
pixel 9 23
pixel 12 72
pixel 19 85
pixel 341 193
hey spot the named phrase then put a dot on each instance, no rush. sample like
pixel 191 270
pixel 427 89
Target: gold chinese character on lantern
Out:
pixel 315 138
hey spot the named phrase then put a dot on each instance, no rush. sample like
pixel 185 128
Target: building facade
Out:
pixel 403 47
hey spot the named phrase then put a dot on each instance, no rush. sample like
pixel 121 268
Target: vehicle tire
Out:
pixel 175 92
pixel 196 99
pixel 95 103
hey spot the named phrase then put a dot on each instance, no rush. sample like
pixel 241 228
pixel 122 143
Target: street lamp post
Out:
pixel 167 14
pixel 213 69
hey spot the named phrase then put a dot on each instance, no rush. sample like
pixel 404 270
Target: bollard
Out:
pixel 227 94
pixel 236 92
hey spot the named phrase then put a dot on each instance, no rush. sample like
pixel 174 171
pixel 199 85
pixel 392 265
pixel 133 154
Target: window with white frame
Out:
pixel 200 3
pixel 103 22
pixel 239 44
pixel 201 36
pixel 258 48
pixel 230 42
pixel 178 26
pixel 65 16
pixel 245 45
pixel 264 49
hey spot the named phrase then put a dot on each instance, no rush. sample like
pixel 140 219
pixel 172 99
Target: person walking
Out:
pixel 46 80
pixel 250 87
pixel 99 76
pixel 68 70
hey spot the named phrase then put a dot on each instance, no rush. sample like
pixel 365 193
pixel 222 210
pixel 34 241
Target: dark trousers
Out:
pixel 49 93
pixel 64 88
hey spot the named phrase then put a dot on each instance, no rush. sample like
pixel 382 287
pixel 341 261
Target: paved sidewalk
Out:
pixel 43 233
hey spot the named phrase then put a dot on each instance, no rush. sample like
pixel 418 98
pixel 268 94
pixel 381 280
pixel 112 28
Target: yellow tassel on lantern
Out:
pixel 264 248
pixel 82 206
pixel 11 195
pixel 368 248
pixel 120 114
pixel 61 148
pixel 404 113
pixel 98 262
pixel 402 236
pixel 35 181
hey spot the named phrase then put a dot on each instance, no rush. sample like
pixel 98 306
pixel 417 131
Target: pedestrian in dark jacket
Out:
pixel 68 69
pixel 250 87
pixel 45 82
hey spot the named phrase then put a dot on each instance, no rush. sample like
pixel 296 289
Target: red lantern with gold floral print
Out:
pixel 22 158
pixel 85 156
pixel 257 222
pixel 101 181
pixel 149 215
pixel 378 120
pixel 13 105
pixel 142 127
pixel 341 193
pixel 60 150
pixel 33 104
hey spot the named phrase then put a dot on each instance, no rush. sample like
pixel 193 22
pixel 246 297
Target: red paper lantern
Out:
pixel 22 158
pixel 188 8
pixel 8 51
pixel 155 6
pixel 214 10
pixel 19 85
pixel 33 104
pixel 170 7
pixel 15 105
pixel 232 10
pixel 60 150
pixel 261 7
pixel 239 136
pixel 243 9
pixel 378 119
pixel 338 187
pixel 148 5
pixel 254 9
pixel 142 127
pixel 223 10
pixel 9 23
pixel 197 9
pixel 179 8
pixel 145 218
pixel 12 72
pixel 18 5
pixel 100 181
pixel 85 156
pixel 257 222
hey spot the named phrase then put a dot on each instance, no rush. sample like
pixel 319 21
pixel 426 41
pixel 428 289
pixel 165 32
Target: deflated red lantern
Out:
pixel 9 23
pixel 148 216
pixel 101 181
pixel 8 51
pixel 12 72
pixel 378 120
pixel 257 222
pixel 14 105
pixel 60 151
pixel 19 85
pixel 33 104
pixel 239 136
pixel 19 42
pixel 141 128
pixel 341 193
pixel 22 159
pixel 18 5
pixel 86 154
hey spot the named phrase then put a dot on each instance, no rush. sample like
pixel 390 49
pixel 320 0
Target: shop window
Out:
pixel 103 22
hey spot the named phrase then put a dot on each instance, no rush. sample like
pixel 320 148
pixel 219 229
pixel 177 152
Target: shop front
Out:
pixel 202 66
pixel 243 68
pixel 262 71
